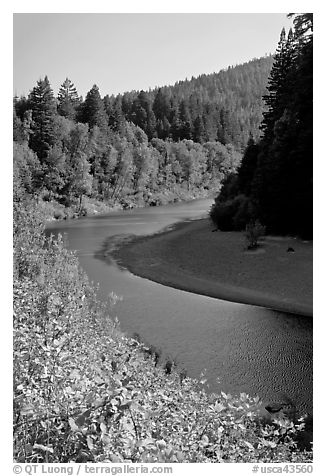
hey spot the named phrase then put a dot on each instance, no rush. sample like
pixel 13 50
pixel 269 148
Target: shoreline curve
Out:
pixel 189 257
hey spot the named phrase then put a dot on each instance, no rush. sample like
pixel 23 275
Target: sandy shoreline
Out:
pixel 192 258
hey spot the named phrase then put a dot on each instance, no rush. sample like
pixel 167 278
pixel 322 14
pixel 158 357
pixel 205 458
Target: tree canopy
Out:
pixel 275 176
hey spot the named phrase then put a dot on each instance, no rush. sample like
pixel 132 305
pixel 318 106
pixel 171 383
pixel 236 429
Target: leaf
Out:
pixel 29 449
pixel 205 440
pixel 27 410
pixel 90 397
pixel 115 458
pixel 161 444
pixel 73 425
pixel 180 456
pixel 147 442
pixel 99 402
pixel 80 420
pixel 103 427
pixel 218 407
pixel 126 404
pixel 169 451
pixel 90 443
pixel 249 445
pixel 127 426
pixel 128 442
pixel 106 440
pixel 49 449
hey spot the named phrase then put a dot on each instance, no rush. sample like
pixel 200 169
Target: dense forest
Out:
pixel 139 148
pixel 274 181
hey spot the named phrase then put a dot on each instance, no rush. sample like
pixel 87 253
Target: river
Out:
pixel 243 348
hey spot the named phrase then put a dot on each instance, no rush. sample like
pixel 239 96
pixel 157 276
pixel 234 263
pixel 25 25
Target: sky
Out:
pixel 124 51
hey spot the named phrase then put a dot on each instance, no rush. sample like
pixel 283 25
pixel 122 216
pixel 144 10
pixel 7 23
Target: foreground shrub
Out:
pixel 83 391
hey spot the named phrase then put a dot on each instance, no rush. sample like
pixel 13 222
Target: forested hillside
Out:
pixel 223 107
pixel 274 182
pixel 139 148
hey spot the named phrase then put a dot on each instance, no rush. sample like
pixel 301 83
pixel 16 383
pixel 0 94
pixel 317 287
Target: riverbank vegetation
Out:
pixel 84 391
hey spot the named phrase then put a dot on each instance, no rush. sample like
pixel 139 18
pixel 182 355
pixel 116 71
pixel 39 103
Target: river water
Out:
pixel 243 348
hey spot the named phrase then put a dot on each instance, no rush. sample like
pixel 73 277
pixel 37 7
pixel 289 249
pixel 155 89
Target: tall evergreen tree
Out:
pixel 162 111
pixel 185 119
pixel 113 108
pixel 274 181
pixel 199 130
pixel 142 114
pixel 278 87
pixel 176 125
pixel 43 107
pixel 92 110
pixel 68 100
pixel 282 185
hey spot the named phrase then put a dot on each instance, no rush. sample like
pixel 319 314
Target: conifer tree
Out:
pixel 185 119
pixel 161 105
pixel 43 107
pixel 92 110
pixel 113 108
pixel 162 111
pixel 176 125
pixel 68 100
pixel 274 180
pixel 142 114
pixel 282 185
pixel 139 110
pixel 278 87
pixel 199 130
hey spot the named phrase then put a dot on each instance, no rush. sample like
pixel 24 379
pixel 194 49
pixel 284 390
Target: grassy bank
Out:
pixel 83 391
pixel 193 258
